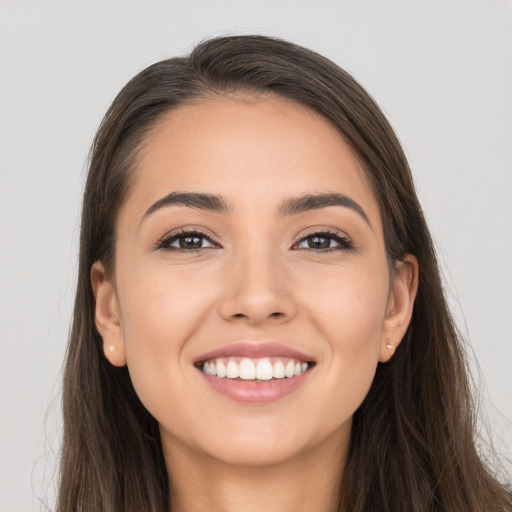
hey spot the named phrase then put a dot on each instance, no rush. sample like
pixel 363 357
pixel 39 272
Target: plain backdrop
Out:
pixel 441 71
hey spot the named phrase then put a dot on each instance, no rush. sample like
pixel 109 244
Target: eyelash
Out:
pixel 345 244
pixel 164 243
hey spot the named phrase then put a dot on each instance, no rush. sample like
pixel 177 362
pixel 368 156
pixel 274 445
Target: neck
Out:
pixel 310 481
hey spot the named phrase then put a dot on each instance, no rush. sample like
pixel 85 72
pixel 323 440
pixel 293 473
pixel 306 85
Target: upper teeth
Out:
pixel 251 369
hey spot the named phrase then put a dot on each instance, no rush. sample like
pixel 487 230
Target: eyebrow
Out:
pixel 197 200
pixel 301 204
pixel 291 206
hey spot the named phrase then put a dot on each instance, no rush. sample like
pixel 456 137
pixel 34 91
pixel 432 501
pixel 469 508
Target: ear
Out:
pixel 107 316
pixel 404 287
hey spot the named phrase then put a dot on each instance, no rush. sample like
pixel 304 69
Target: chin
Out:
pixel 243 442
pixel 256 452
pixel 263 442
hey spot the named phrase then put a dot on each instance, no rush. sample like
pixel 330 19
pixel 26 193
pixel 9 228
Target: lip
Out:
pixel 255 392
pixel 254 350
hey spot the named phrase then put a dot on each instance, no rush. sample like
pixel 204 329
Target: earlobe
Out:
pixel 107 316
pixel 400 306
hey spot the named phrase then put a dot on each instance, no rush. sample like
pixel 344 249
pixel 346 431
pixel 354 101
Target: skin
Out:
pixel 260 279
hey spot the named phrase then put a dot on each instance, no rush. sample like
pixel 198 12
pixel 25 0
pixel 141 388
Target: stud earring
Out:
pixel 389 346
pixel 112 348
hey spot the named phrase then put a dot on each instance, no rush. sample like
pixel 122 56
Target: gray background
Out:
pixel 441 70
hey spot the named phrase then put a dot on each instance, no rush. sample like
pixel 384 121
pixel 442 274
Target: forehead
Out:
pixel 252 151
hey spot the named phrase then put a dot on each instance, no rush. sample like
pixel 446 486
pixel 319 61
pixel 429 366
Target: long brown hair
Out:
pixel 413 443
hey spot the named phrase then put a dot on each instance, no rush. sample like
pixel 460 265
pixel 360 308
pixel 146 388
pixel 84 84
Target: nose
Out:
pixel 257 290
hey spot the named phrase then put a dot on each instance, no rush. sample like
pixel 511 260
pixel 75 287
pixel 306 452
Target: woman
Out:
pixel 259 321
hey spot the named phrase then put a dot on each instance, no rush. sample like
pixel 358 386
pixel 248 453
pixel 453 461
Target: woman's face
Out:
pixel 225 257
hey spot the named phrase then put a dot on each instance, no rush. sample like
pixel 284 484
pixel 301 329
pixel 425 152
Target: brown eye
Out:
pixel 325 242
pixel 190 242
pixel 185 241
pixel 319 242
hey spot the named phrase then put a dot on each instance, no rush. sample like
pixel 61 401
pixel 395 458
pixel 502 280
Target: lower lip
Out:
pixel 256 392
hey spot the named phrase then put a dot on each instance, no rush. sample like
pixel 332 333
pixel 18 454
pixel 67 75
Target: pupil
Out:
pixel 186 244
pixel 320 245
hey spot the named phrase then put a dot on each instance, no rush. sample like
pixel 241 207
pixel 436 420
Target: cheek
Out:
pixel 163 305
pixel 349 311
pixel 349 306
pixel 161 311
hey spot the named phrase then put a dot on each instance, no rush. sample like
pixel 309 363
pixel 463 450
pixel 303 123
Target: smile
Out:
pixel 255 373
pixel 261 369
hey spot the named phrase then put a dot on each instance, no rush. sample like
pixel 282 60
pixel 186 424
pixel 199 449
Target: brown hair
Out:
pixel 413 443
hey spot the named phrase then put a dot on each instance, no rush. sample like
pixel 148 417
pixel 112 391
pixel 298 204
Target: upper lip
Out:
pixel 254 349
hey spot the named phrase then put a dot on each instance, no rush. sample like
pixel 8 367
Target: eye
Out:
pixel 323 242
pixel 185 241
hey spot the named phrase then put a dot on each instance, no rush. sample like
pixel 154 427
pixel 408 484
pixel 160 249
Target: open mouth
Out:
pixel 254 369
